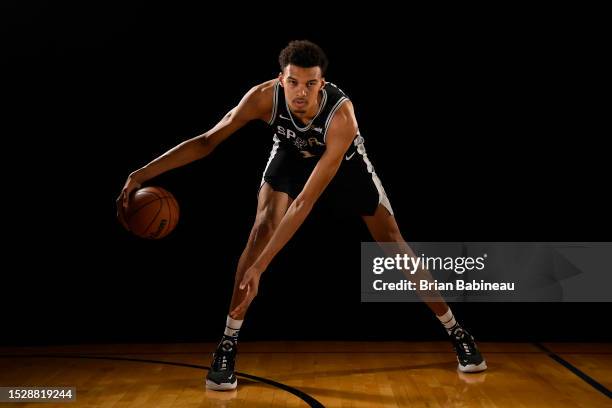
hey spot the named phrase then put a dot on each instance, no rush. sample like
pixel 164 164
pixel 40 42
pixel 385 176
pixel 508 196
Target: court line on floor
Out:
pixel 300 394
pixel 318 352
pixel 583 376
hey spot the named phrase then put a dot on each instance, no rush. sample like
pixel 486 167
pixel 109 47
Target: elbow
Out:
pixel 205 145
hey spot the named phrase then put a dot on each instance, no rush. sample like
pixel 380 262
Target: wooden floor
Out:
pixel 348 374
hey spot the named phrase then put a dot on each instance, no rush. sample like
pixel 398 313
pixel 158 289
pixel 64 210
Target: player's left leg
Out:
pixel 384 228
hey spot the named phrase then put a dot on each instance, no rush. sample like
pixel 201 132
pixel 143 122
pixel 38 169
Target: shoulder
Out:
pixel 259 99
pixel 339 107
pixel 333 89
pixel 262 92
pixel 265 88
pixel 344 120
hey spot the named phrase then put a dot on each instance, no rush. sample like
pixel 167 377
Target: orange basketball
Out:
pixel 152 213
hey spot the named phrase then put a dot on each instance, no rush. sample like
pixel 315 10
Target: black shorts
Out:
pixel 355 188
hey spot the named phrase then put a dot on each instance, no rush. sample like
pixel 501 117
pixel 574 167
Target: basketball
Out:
pixel 152 213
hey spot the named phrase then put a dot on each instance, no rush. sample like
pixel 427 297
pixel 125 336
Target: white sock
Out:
pixel 232 327
pixel 448 321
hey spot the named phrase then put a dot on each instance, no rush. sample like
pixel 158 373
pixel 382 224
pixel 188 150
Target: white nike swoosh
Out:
pixel 283 117
pixel 349 157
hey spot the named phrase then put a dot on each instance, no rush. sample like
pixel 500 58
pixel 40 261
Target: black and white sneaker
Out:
pixel 221 375
pixel 469 358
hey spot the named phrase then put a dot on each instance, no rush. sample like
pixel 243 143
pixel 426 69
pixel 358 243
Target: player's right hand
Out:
pixel 130 186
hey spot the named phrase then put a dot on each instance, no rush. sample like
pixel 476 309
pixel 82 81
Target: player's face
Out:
pixel 301 86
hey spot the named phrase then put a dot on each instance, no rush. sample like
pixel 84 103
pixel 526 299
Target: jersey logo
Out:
pixel 284 117
pixel 300 143
pixel 349 157
pixel 313 141
pixel 285 132
pixel 318 129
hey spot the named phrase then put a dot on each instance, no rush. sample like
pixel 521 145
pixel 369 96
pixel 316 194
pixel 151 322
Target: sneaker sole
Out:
pixel 211 385
pixel 473 368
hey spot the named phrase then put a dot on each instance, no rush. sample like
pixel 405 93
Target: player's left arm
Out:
pixel 341 132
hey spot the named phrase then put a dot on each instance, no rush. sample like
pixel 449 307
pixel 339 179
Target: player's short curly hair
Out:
pixel 303 53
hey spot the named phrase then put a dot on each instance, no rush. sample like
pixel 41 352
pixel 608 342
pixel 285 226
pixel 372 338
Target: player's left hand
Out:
pixel 250 283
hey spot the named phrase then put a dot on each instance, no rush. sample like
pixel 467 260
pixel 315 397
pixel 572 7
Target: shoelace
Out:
pixel 467 348
pixel 220 362
pixel 465 341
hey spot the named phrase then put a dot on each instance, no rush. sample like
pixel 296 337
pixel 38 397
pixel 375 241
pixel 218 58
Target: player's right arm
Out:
pixel 256 104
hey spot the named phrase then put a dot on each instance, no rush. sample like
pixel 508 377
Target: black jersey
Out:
pixel 297 148
pixel 290 133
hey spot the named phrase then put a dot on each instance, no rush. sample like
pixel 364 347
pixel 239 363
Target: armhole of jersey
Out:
pixel 331 115
pixel 274 104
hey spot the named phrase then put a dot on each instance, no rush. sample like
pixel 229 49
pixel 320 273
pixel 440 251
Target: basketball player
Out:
pixel 316 143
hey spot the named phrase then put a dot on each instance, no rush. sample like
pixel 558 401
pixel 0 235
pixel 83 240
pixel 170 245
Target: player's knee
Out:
pixel 264 225
pixel 264 228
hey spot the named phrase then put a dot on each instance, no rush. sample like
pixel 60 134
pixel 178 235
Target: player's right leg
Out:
pixel 271 207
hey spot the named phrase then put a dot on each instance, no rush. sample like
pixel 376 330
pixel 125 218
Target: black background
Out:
pixel 481 128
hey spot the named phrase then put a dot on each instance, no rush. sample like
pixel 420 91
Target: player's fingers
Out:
pixel 121 217
pixel 242 306
pixel 245 281
pixel 236 312
pixel 123 220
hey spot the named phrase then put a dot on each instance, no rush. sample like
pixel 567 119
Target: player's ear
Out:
pixel 323 82
pixel 281 79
